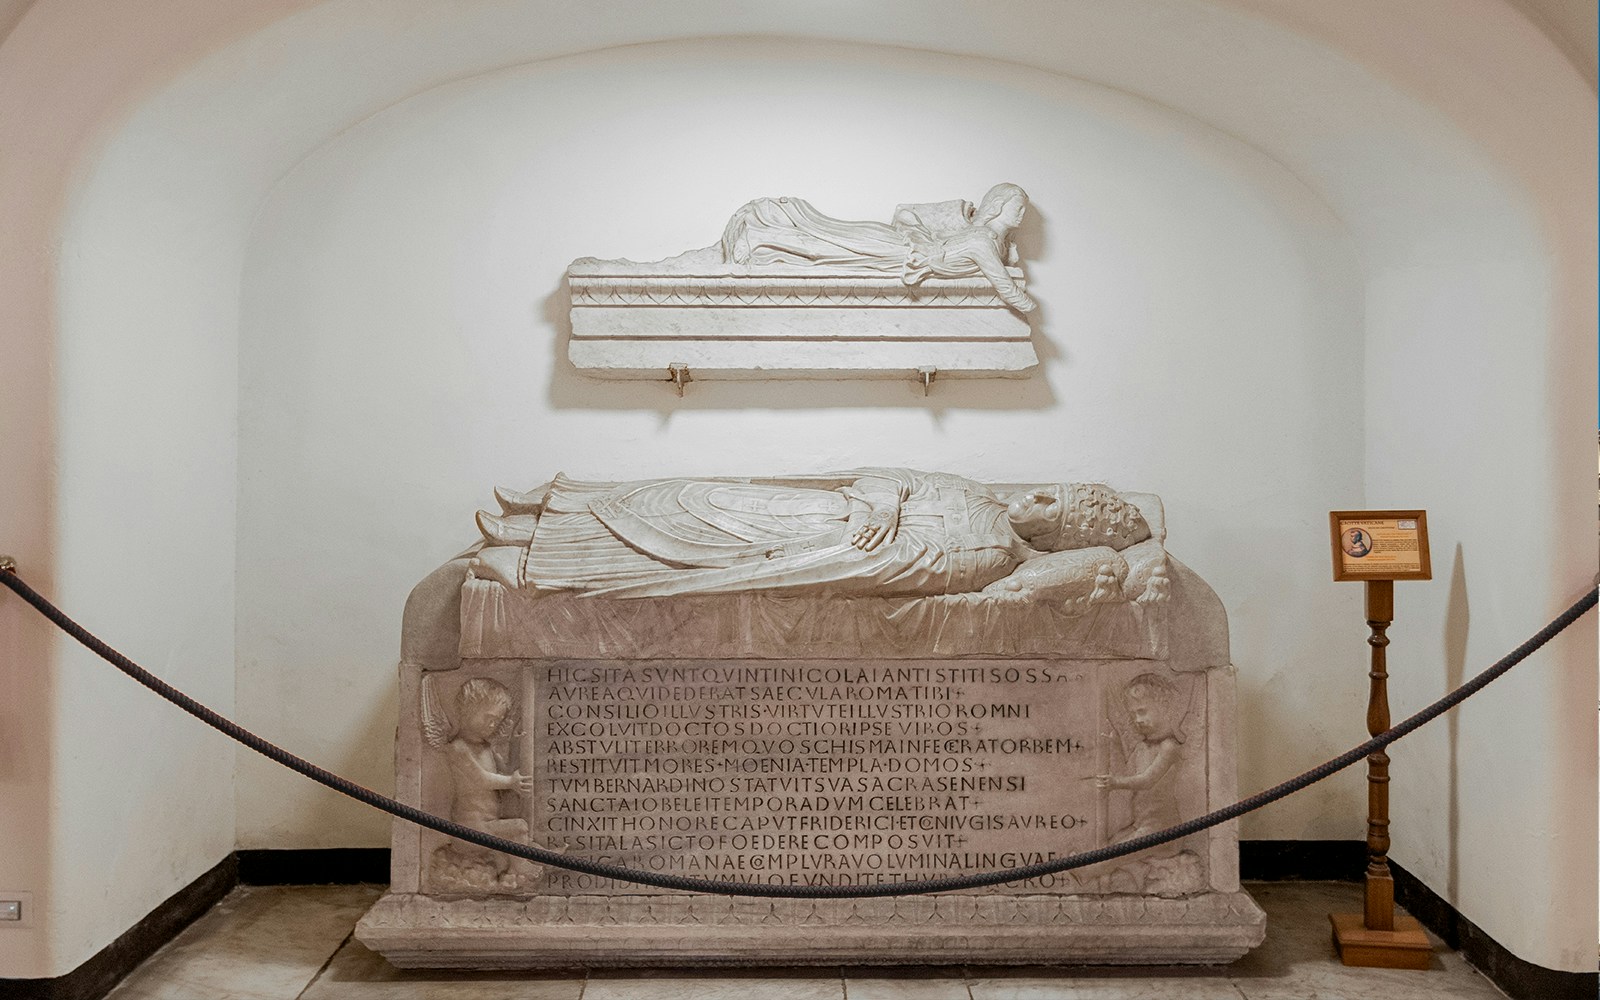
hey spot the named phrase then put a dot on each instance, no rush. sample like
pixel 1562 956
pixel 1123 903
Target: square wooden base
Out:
pixel 1405 947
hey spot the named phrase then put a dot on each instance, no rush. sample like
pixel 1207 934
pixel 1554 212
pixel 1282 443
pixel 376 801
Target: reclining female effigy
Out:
pixel 791 292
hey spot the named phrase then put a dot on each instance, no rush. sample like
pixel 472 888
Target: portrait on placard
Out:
pixel 1357 542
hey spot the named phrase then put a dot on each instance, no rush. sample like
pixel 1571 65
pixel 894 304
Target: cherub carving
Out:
pixel 1153 707
pixel 1156 710
pixel 479 776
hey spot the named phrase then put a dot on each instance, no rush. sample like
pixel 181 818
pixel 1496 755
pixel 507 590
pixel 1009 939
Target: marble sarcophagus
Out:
pixel 875 677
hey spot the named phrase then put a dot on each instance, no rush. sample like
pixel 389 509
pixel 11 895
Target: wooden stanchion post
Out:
pixel 1380 883
pixel 1377 937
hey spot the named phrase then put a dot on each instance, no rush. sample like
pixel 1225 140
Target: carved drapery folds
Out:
pixel 791 291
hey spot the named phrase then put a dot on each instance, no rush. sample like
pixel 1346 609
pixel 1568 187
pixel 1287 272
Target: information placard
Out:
pixel 1380 545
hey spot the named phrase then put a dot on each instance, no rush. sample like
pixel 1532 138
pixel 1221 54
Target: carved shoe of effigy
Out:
pixel 516 529
pixel 516 502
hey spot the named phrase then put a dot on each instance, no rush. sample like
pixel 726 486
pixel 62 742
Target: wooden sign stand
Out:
pixel 1378 937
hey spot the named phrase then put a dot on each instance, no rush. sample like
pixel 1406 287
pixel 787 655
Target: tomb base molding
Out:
pixel 419 931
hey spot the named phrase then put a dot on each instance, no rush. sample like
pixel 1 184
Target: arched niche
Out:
pixel 1439 225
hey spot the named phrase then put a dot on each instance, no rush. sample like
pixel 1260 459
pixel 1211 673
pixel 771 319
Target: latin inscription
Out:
pixel 817 773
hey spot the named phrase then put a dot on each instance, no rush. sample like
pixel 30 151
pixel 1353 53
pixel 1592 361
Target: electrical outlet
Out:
pixel 16 908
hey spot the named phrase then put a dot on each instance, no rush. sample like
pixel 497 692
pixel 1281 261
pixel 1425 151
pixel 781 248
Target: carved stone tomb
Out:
pixel 874 677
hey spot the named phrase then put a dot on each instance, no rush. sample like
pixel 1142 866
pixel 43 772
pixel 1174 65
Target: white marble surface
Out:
pixel 792 293
pixel 357 973
pixel 775 985
pixel 275 944
pixel 259 943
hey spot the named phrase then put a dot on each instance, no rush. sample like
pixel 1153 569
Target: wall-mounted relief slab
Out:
pixel 791 293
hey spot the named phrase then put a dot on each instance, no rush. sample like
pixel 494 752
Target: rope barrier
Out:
pixel 344 786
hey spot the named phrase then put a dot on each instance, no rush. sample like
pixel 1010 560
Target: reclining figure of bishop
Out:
pixel 873 532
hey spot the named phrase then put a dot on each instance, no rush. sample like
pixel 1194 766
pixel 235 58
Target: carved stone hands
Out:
pixel 879 527
pixel 523 783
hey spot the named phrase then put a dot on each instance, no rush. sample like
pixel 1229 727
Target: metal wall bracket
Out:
pixel 7 564
pixel 679 374
pixel 926 374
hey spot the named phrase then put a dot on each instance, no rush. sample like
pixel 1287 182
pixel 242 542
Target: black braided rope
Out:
pixel 344 786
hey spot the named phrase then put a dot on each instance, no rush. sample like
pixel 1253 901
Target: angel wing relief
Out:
pixel 486 793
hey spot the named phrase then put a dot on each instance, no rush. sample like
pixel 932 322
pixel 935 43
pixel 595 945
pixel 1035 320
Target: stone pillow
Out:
pixel 1148 580
pixel 1076 578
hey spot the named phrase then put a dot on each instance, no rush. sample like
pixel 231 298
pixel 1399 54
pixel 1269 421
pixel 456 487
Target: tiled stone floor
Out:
pixel 294 943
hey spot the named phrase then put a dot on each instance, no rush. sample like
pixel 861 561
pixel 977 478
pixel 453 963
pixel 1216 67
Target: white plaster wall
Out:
pixel 1475 213
pixel 1485 437
pixel 402 352
pixel 117 445
pixel 145 536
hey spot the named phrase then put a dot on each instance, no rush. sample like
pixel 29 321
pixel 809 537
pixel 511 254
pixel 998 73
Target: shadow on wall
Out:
pixel 572 390
pixel 1457 618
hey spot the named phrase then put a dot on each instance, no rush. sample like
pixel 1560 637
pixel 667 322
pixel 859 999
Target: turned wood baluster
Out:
pixel 1380 883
